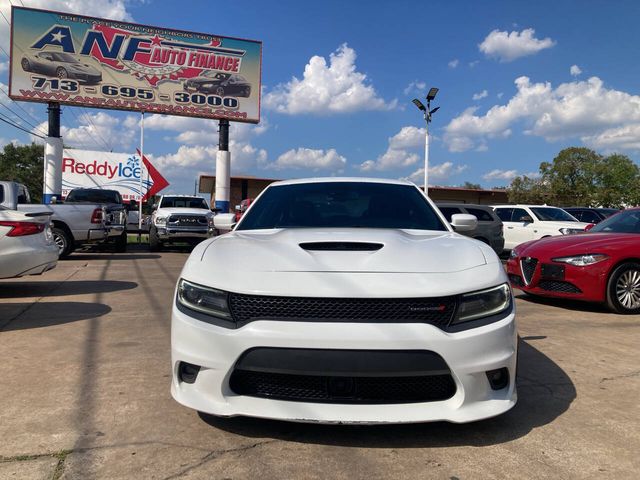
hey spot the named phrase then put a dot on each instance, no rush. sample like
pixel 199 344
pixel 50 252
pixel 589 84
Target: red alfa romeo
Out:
pixel 602 265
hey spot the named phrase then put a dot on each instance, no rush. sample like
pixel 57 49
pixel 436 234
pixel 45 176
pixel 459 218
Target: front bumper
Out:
pixel 469 355
pixel 184 233
pixel 579 283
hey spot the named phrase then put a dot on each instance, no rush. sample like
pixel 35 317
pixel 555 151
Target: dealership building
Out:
pixel 249 187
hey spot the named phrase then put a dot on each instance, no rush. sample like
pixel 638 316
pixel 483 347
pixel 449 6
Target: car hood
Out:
pixel 183 211
pixel 401 251
pixel 79 67
pixel 559 225
pixel 205 80
pixel 579 244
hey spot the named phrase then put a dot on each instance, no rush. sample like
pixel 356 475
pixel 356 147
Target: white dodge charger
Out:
pixel 344 300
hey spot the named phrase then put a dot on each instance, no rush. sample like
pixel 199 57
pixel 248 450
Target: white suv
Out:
pixel 523 223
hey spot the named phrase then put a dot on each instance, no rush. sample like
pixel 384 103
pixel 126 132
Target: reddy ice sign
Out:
pixel 92 62
pixel 113 171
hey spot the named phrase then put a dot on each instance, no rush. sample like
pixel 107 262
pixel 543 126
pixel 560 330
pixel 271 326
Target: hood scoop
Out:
pixel 341 246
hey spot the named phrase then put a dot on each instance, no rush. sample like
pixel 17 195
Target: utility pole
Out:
pixel 223 168
pixel 52 180
pixel 427 112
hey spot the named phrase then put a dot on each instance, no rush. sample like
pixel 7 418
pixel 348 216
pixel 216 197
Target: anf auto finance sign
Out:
pixel 113 171
pixel 92 62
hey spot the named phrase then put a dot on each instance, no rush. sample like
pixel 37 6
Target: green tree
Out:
pixel 472 186
pixel 528 190
pixel 618 182
pixel 571 176
pixel 24 164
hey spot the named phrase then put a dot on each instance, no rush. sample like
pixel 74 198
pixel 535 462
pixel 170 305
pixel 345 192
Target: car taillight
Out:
pixel 97 216
pixel 20 229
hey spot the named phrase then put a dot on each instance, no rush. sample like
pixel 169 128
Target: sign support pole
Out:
pixel 223 168
pixel 141 164
pixel 52 182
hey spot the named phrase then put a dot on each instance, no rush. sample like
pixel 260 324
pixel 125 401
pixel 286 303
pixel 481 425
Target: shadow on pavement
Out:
pixel 21 316
pixel 565 303
pixel 544 390
pixel 81 257
pixel 60 288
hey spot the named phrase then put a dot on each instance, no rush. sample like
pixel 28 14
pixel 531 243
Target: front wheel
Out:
pixel 26 66
pixel 121 243
pixel 62 73
pixel 623 289
pixel 154 240
pixel 220 91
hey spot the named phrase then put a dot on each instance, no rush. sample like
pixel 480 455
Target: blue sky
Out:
pixel 518 82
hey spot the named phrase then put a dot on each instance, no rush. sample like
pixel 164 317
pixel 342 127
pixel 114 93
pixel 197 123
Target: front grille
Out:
pixel 338 389
pixel 528 266
pixel 516 280
pixel 558 286
pixel 188 221
pixel 436 311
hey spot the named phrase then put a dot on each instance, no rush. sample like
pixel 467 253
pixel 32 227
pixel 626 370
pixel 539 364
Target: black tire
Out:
pixel 26 66
pixel 154 241
pixel 623 289
pixel 247 92
pixel 220 91
pixel 64 241
pixel 121 243
pixel 62 73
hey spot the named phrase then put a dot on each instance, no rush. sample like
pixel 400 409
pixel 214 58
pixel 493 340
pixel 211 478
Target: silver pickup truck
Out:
pixel 76 222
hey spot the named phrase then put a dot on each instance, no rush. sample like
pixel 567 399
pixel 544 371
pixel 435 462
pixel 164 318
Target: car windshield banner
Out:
pixel 91 62
pixel 112 171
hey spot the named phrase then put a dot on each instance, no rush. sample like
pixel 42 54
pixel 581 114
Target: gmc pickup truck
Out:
pixel 80 220
pixel 180 218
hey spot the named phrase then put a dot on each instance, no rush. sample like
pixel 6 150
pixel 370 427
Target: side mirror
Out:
pixel 463 222
pixel 225 221
pixel 238 208
pixel 589 227
pixel 526 219
pixel 154 206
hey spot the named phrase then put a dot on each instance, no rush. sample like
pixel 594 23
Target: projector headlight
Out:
pixel 582 260
pixel 208 301
pixel 484 303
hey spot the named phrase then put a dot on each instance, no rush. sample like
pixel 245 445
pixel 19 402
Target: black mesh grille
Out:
pixel 528 266
pixel 188 220
pixel 329 389
pixel 437 311
pixel 558 286
pixel 516 280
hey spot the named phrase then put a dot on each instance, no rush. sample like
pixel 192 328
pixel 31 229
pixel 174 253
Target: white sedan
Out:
pixel 26 244
pixel 344 301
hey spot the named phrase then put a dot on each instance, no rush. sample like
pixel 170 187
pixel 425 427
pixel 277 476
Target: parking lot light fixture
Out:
pixel 427 113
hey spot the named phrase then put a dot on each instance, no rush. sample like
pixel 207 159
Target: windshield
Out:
pixel 183 202
pixel 93 196
pixel 216 75
pixel 64 57
pixel 623 222
pixel 552 214
pixel 341 205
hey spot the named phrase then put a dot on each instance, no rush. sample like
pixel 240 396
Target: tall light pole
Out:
pixel 427 112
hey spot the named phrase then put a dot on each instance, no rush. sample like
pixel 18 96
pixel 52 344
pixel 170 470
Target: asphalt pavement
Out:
pixel 85 372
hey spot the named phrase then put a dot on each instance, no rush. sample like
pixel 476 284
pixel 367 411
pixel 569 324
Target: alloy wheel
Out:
pixel 628 289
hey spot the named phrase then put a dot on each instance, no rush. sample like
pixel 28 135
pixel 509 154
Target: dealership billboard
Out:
pixel 113 171
pixel 92 62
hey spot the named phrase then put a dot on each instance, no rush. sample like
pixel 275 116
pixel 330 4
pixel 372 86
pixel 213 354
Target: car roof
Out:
pixel 521 205
pixel 341 180
pixel 464 205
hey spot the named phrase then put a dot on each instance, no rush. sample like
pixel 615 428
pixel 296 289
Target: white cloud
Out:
pixel 575 70
pixel 415 86
pixel 453 63
pixel 498 174
pixel 112 9
pixel 397 154
pixel 98 131
pixel 626 137
pixel 437 173
pixel 307 158
pixel 579 109
pixel 499 95
pixel 474 63
pixel 507 47
pixel 334 88
pixel 480 95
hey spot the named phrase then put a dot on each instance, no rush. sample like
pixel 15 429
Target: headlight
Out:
pixel 484 303
pixel 161 220
pixel 570 231
pixel 204 300
pixel 582 260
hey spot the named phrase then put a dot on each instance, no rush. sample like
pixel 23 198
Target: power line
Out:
pixel 20 117
pixel 97 131
pixel 8 121
pixel 21 108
